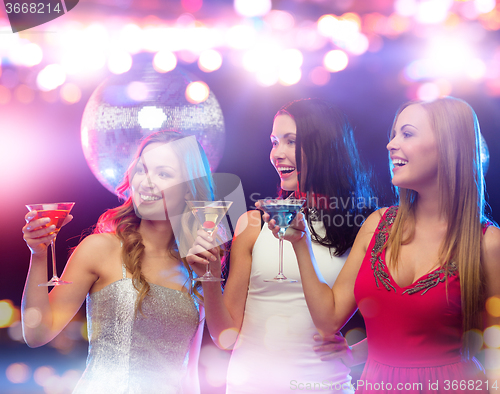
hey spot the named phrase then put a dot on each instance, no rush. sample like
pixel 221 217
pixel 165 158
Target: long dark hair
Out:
pixel 333 171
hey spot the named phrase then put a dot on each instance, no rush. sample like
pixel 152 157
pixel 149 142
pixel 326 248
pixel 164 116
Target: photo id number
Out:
pixel 31 8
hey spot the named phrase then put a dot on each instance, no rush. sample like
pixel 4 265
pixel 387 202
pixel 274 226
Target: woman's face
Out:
pixel 282 155
pixel 158 187
pixel 413 150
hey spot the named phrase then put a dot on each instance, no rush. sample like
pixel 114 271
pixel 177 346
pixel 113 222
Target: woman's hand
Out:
pixel 297 230
pixel 333 347
pixel 37 234
pixel 204 251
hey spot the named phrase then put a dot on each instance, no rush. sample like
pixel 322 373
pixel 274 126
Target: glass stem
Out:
pixel 281 255
pixel 207 270
pixel 53 250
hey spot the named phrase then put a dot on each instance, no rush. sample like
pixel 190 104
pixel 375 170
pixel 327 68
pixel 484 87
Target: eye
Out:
pixel 407 134
pixel 164 174
pixel 274 143
pixel 291 142
pixel 139 169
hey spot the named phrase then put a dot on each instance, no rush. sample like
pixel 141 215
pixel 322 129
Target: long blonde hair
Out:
pixel 461 201
pixel 124 222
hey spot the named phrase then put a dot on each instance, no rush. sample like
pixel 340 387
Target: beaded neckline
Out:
pixel 381 272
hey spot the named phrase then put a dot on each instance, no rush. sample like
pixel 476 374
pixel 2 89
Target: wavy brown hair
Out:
pixel 124 222
pixel 461 191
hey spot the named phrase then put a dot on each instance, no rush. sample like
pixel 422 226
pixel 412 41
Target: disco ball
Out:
pixel 126 108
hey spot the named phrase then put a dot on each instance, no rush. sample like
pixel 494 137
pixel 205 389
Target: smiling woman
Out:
pixel 413 150
pixel 143 312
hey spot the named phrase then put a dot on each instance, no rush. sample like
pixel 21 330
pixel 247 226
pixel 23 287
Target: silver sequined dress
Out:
pixel 135 353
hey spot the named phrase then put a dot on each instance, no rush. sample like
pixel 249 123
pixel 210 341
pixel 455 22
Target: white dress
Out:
pixel 274 351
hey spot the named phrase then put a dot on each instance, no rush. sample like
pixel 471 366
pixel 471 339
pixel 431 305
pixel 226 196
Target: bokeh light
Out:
pixel 280 20
pixel 491 337
pixel 241 37
pixel 131 38
pixel 355 335
pixel 227 338
pixel 493 306
pixel 51 77
pixel 433 11
pixel 32 317
pixel 290 76
pixel 8 313
pixel 164 61
pixel 43 374
pixel 428 91
pixel 319 76
pixel 28 55
pixel 492 359
pixel 70 93
pixel 15 332
pixel 484 6
pixel 215 364
pixel 327 24
pixel 252 8
pixel 291 58
pixel 335 60
pixel 267 77
pixel 119 62
pixel 18 372
pixel 210 60
pixel 197 92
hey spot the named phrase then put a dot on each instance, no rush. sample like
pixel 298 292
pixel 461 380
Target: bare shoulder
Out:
pixel 491 260
pixel 97 247
pixel 249 225
pixel 373 220
pixel 491 245
pixel 100 242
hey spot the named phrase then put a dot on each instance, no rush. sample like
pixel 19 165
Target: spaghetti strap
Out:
pixel 124 269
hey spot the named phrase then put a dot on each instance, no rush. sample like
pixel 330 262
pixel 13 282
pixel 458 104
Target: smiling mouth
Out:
pixel 148 197
pixel 399 162
pixel 285 170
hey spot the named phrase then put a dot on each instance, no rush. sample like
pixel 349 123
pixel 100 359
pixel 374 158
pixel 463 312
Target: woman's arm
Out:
pixel 330 308
pixel 224 313
pixel 336 347
pixel 491 265
pixel 44 314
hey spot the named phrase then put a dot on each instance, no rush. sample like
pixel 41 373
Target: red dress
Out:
pixel 414 333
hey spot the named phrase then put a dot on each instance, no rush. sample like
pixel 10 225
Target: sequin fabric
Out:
pixel 137 353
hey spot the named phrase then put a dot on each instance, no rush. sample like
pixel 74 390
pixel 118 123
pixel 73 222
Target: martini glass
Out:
pixel 283 212
pixel 57 212
pixel 209 214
